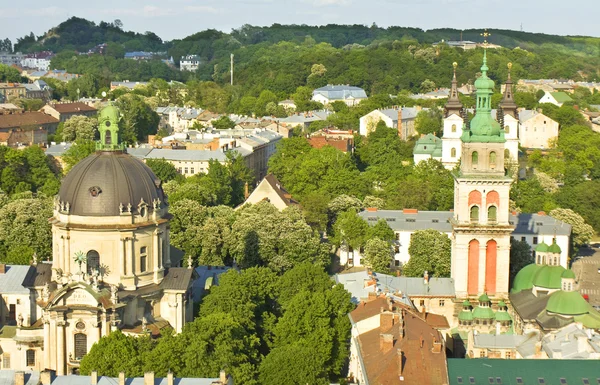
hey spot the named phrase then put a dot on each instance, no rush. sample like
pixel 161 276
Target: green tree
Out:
pixel 116 353
pixel 429 251
pixel 138 119
pixel 350 229
pixel 582 233
pixel 80 150
pixel 429 122
pixel 520 256
pixel 164 170
pixel 378 255
pixel 79 127
pixel 223 123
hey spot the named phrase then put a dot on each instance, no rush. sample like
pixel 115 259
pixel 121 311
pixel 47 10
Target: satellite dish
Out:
pixel 103 94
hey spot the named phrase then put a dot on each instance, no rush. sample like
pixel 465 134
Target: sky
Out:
pixel 174 19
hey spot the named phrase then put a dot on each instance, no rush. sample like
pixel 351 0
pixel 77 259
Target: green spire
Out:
pixel 108 126
pixel 484 128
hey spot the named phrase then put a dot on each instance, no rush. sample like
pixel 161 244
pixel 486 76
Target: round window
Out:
pixel 80 325
pixel 107 123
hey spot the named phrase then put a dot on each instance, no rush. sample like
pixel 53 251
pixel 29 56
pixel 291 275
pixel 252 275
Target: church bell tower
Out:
pixel 481 230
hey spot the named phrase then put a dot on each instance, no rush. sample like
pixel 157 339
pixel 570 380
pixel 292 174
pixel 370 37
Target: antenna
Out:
pixel 521 27
pixel 231 65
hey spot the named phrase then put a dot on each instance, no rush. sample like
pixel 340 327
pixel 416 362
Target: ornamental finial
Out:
pixel 485 35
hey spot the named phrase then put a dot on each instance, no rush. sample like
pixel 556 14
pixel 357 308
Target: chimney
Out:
pixel 121 378
pixel 46 377
pixel 437 346
pixel 94 378
pixel 170 378
pixel 149 378
pixel 410 211
pixel 399 125
pixel 372 209
pixel 246 193
pixel 2 268
pixel 386 342
pixel 223 377
pixel 400 362
pixel 426 278
pixel 19 378
pixel 538 348
pixel 541 213
pixel 386 320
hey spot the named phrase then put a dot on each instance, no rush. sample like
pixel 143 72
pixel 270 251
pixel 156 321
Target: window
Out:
pixel 442 303
pixel 80 346
pixel 396 249
pixel 397 263
pixel 454 128
pixel 475 214
pixel 493 159
pixel 491 380
pixel 390 219
pixel 586 381
pixel 453 152
pixel 186 170
pixel 541 381
pixel 12 313
pixel 397 236
pixel 6 360
pixel 563 381
pixel 471 380
pixel 192 170
pixel 498 380
pixel 107 138
pixel 522 239
pixel 410 220
pixel 143 258
pixel 535 240
pixel 92 261
pixel 459 380
pixel 30 355
pixel 519 380
pixel 435 221
pixel 506 129
pixel 492 214
pixel 372 219
pixel 474 158
pixel 508 355
pixel 482 353
pixel 422 302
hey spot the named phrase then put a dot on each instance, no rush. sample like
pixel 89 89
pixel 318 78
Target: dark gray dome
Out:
pixel 106 183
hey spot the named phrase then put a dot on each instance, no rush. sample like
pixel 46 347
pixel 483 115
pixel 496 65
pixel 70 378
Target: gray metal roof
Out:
pixel 408 113
pixel 525 224
pixel 122 180
pixel 354 283
pixel 500 341
pixel 11 282
pixel 177 278
pixel 58 149
pixel 415 286
pixel 563 343
pixel 139 152
pixel 7 377
pixel 341 92
pixel 206 273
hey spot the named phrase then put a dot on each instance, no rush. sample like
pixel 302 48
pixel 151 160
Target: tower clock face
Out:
pixel 107 123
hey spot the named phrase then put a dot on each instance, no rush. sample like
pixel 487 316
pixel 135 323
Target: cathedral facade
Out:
pixel 111 267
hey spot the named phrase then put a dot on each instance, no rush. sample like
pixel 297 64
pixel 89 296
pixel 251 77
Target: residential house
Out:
pixel 288 105
pixel 177 119
pixel 61 75
pixel 38 60
pixel 28 121
pixel 427 147
pixel 531 228
pixel 343 93
pixel 64 111
pixel 393 344
pixel 441 93
pixel 126 84
pixel 260 147
pixel 344 145
pixel 391 116
pixel 10 59
pixel 188 162
pixel 55 152
pixel 556 98
pixel 536 130
pixel 9 91
pixel 303 119
pixel 189 63
pixel 19 137
pixel 9 107
pixel 270 189
pixel 39 89
pixel 206 118
pixel 139 55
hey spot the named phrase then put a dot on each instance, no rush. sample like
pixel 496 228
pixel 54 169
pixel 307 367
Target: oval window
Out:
pixel 107 123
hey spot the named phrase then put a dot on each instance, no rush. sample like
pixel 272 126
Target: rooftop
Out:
pixel 11 282
pixel 66 108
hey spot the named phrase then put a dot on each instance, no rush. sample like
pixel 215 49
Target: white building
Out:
pixel 343 93
pixel 556 98
pixel 38 60
pixel 536 130
pixel 391 116
pixel 189 63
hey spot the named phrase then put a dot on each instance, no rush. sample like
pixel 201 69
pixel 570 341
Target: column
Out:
pixel 60 348
pixel 123 256
pixel 156 254
pixel 482 265
pixel 63 256
pixel 67 259
pixel 47 343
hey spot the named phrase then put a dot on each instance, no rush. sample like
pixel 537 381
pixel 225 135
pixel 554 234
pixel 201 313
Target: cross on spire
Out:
pixel 485 35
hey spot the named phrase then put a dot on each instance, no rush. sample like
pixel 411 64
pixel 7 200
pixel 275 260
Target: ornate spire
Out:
pixel 453 105
pixel 108 126
pixel 509 107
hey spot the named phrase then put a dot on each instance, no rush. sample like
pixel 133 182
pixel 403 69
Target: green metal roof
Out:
pixel 548 277
pixel 483 313
pixel 554 248
pixel 501 303
pixel 561 97
pixel 502 315
pixel 484 298
pixel 568 303
pixel 524 278
pixel 465 315
pixel 590 320
pixel 428 145
pixel 541 247
pixel 568 274
pixel 529 371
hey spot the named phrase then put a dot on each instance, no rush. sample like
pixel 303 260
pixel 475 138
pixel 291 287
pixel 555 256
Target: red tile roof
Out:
pixel 344 145
pixel 33 119
pixel 68 108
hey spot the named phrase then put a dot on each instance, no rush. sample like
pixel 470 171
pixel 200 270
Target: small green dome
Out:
pixel 524 278
pixel 567 303
pixel 109 112
pixel 501 303
pixel 548 277
pixel 483 82
pixel 568 273
pixel 541 247
pixel 484 298
pixel 554 248
pixel 466 303
pixel 465 315
pixel 503 316
pixel 483 313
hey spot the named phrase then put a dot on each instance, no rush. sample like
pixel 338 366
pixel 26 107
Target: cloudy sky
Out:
pixel 172 19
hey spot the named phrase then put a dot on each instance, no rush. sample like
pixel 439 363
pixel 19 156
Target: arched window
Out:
pixel 507 154
pixel 493 159
pixel 454 128
pixel 453 152
pixel 107 138
pixel 506 129
pixel 474 158
pixel 475 214
pixel 93 261
pixel 80 340
pixel 30 355
pixel 492 214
